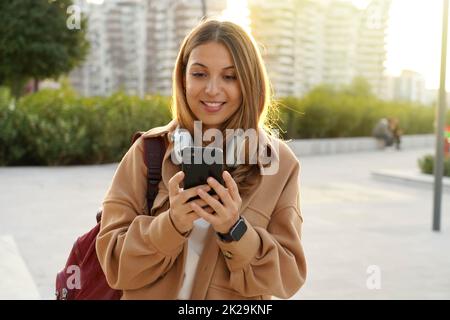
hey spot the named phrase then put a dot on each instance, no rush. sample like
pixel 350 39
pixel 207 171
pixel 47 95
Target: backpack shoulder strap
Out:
pixel 154 150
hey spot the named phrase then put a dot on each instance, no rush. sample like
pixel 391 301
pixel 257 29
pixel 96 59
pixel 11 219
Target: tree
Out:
pixel 36 42
pixel 359 87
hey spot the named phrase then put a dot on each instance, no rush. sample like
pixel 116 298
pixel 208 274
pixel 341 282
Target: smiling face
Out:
pixel 213 92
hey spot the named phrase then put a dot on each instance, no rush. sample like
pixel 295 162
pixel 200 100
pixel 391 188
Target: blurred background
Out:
pixel 356 84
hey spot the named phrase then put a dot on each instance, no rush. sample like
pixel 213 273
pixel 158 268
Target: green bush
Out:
pixel 57 127
pixel 426 165
pixel 327 112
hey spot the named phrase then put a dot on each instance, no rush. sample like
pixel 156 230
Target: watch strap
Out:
pixel 231 236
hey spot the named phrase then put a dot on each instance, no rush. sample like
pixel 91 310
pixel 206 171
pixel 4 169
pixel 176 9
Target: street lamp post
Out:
pixel 440 119
pixel 203 9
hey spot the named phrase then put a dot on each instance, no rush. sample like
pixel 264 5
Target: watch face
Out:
pixel 239 230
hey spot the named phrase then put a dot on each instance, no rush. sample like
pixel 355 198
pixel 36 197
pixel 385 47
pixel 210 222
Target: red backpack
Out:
pixel 82 278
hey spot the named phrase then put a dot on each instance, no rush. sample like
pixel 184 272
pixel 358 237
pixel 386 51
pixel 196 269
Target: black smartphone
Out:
pixel 199 163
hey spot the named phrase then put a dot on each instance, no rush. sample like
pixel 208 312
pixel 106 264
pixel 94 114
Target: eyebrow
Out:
pixel 202 65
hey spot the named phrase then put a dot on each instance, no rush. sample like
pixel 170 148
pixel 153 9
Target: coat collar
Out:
pixel 159 131
pixel 269 143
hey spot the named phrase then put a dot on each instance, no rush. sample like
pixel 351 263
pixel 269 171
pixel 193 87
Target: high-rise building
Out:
pixel 116 32
pixel 168 22
pixel 273 26
pixel 309 46
pixel 161 46
pixel 134 43
pixel 126 39
pixel 408 86
pixel 341 37
pixel 308 42
pixel 94 76
pixel 371 44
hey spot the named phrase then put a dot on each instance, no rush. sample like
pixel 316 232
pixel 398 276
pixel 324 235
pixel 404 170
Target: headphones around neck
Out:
pixel 182 138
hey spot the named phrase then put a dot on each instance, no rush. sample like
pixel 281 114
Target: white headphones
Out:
pixel 181 138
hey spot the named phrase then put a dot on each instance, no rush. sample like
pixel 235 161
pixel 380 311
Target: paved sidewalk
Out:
pixel 352 222
pixel 411 177
pixel 18 282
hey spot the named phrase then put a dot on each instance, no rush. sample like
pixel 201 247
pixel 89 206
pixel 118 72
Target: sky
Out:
pixel 414 39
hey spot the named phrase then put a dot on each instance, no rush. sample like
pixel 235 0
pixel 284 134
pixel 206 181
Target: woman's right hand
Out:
pixel 181 213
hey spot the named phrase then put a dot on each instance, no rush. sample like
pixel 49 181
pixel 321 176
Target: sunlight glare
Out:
pixel 237 12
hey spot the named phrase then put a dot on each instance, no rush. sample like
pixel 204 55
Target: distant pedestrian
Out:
pixel 382 133
pixel 394 127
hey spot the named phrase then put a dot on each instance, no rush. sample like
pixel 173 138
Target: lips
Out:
pixel 212 106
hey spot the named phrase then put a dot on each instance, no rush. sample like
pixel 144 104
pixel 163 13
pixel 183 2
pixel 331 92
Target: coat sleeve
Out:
pixel 134 249
pixel 271 261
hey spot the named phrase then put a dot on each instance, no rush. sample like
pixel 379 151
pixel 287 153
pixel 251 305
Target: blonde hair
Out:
pixel 257 94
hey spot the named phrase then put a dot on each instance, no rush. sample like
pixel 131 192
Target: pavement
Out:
pixel 358 229
pixel 364 237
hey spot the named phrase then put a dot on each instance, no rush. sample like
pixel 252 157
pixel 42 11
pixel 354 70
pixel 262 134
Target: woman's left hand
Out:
pixel 226 213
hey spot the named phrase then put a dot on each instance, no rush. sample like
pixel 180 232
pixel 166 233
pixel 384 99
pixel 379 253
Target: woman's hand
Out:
pixel 181 212
pixel 226 214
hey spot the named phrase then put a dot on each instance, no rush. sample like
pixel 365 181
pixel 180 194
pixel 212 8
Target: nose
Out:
pixel 212 87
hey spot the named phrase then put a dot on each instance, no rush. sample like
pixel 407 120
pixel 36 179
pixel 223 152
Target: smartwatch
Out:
pixel 236 232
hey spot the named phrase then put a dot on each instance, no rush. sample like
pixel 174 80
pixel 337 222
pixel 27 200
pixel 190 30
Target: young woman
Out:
pixel 242 243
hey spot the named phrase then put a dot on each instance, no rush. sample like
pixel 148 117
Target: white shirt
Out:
pixel 196 243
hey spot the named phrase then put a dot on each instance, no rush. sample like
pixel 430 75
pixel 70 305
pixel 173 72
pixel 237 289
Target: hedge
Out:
pixel 329 113
pixel 58 127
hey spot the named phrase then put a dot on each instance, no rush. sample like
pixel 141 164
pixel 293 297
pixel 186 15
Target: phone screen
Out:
pixel 199 163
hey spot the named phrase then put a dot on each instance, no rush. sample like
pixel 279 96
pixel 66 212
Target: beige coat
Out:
pixel 144 255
